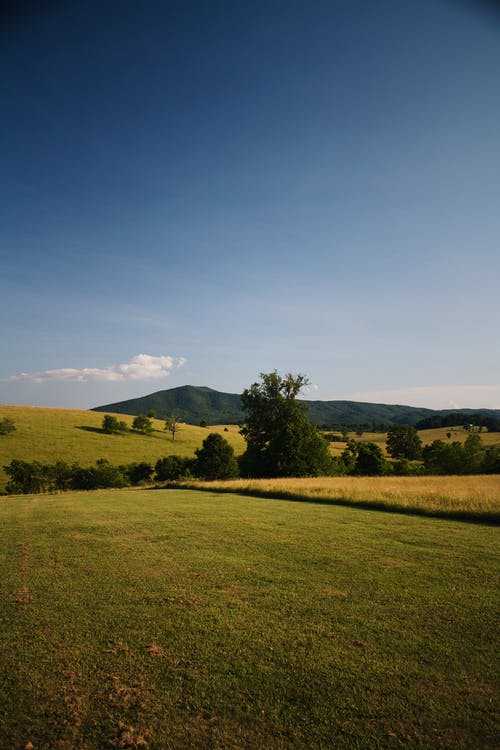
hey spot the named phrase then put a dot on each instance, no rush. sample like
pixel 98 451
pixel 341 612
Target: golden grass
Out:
pixel 455 496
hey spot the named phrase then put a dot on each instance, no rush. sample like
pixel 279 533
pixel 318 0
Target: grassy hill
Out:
pixel 46 435
pixel 195 403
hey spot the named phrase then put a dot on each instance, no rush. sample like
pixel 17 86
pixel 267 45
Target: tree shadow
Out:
pixel 99 430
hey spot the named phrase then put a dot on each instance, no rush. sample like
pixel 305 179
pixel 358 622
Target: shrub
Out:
pixel 171 468
pixel 7 426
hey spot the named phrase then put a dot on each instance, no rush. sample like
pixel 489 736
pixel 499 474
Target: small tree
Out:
pixel 215 459
pixel 142 424
pixel 172 425
pixel 110 424
pixel 7 426
pixel 403 442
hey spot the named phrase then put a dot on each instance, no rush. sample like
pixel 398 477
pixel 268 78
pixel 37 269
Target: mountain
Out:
pixel 192 404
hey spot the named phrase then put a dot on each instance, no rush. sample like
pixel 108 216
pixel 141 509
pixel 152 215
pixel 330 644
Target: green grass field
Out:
pixel 177 619
pixel 47 435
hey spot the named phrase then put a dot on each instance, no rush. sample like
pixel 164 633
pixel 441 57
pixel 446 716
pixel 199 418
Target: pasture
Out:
pixel 179 619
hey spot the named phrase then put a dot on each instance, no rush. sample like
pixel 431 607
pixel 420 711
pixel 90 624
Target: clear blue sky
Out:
pixel 237 186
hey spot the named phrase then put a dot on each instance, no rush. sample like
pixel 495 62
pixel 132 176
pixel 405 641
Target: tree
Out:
pixel 138 473
pixel 7 426
pixel 172 468
pixel 370 460
pixel 26 477
pixel 172 424
pixel 403 442
pixel 142 424
pixel 215 459
pixel 281 441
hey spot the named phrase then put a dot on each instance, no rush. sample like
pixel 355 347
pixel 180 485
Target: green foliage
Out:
pixel 460 458
pixel 111 425
pixel 172 468
pixel 281 441
pixel 215 459
pixel 25 477
pixel 364 459
pixel 403 442
pixel 7 426
pixel 142 424
pixel 138 473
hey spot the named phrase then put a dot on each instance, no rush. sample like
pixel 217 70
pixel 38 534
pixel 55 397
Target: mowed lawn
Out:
pixel 181 619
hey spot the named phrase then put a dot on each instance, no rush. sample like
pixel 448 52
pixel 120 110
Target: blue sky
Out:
pixel 202 190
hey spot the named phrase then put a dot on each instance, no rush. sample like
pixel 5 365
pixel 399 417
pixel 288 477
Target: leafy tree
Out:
pixel 142 423
pixel 100 476
pixel 444 458
pixel 25 477
pixel 370 460
pixel 110 424
pixel 7 426
pixel 61 475
pixel 138 473
pixel 403 442
pixel 215 459
pixel 171 468
pixel 151 414
pixel 281 441
pixel 491 463
pixel 474 454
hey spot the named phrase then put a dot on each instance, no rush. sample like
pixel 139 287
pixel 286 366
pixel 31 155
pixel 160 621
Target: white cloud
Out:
pixel 437 397
pixel 140 367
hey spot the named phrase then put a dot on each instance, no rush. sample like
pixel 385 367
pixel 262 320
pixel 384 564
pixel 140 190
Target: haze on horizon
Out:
pixel 194 193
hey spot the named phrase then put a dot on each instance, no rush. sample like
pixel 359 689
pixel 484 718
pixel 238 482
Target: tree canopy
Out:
pixel 403 441
pixel 281 441
pixel 215 459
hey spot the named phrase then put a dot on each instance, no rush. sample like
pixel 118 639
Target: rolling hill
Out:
pixel 194 403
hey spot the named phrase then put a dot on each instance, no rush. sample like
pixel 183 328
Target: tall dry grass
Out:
pixel 467 497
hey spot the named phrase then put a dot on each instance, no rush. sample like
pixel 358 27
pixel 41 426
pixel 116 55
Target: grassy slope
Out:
pixel 194 620
pixel 49 434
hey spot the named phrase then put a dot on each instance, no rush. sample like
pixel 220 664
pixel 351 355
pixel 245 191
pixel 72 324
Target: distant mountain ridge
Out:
pixel 192 404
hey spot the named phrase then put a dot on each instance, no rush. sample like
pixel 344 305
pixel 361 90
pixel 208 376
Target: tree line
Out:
pixel 214 460
pixel 280 442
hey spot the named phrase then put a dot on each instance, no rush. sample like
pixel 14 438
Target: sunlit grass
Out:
pixel 184 620
pixel 467 496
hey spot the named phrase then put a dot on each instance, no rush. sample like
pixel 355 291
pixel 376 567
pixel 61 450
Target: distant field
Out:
pixel 46 435
pixel 426 436
pixel 473 497
pixel 186 620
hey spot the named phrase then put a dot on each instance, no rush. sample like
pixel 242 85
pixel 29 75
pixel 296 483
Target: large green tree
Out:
pixel 281 441
pixel 403 441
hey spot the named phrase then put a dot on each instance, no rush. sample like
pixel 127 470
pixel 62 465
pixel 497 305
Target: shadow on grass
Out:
pixel 100 431
pixel 488 518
